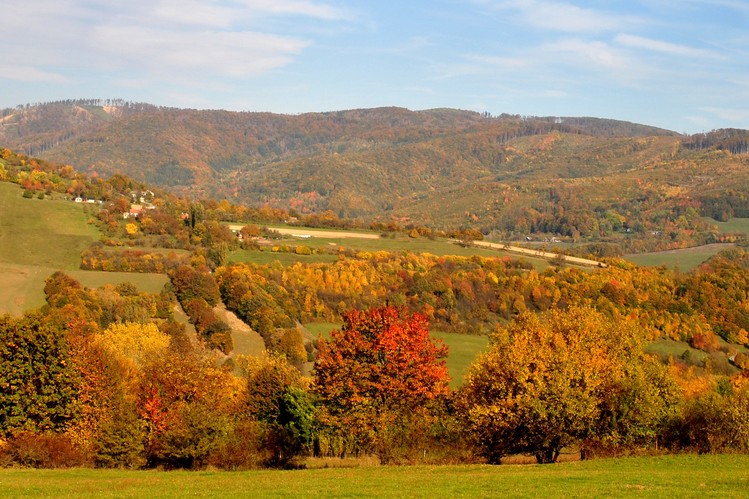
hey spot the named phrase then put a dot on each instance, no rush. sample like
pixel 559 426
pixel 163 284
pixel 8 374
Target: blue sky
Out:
pixel 678 64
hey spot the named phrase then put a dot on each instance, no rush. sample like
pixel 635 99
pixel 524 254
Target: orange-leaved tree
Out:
pixel 373 376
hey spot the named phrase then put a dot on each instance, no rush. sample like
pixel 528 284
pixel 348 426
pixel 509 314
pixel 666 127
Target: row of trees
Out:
pixel 470 295
pixel 141 395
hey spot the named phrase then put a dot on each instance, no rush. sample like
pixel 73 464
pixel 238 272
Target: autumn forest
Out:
pixel 596 360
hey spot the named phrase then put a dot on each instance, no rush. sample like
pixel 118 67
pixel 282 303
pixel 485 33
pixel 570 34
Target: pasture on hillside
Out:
pixel 394 243
pixel 733 225
pixel 685 475
pixel 682 259
pixel 45 233
pixel 38 237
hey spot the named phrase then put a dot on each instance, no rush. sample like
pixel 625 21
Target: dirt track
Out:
pixel 323 234
pixel 335 234
pixel 540 254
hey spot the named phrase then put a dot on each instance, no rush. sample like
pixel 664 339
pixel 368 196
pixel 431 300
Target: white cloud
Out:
pixel 228 53
pixel 562 16
pixel 191 12
pixel 237 38
pixel 591 54
pixel 553 94
pixel 29 74
pixel 735 115
pixel 663 47
pixel 305 8
pixel 502 62
pixel 739 5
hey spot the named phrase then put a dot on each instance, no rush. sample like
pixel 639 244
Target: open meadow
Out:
pixel 327 240
pixel 688 258
pixel 38 237
pixel 45 233
pixel 733 225
pixel 667 476
pixel 683 259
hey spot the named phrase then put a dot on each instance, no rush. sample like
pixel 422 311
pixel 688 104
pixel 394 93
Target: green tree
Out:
pixel 38 382
pixel 278 397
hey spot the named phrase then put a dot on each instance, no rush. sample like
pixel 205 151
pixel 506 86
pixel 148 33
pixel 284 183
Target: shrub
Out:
pixel 43 450
pixel 221 341
pixel 120 441
pixel 243 447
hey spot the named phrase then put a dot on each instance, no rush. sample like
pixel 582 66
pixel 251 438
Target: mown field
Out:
pixel 733 225
pixel 45 233
pixel 681 476
pixel 38 237
pixel 689 258
pixel 682 259
pixel 396 243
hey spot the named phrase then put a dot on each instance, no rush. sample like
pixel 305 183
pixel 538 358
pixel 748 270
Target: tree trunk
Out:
pixel 547 456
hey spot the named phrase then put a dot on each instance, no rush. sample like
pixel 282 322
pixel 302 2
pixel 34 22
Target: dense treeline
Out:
pixel 470 295
pixel 40 127
pixel 628 213
pixel 733 140
pixel 640 187
pixel 136 260
pixel 143 394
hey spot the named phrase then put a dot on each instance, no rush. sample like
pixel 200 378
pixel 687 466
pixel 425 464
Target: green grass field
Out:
pixel 44 233
pixel 38 237
pixel 683 476
pixel 666 348
pixel 733 225
pixel 682 259
pixel 463 349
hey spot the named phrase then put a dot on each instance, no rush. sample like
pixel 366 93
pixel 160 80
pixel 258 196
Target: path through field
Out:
pixel 246 340
pixel 336 234
pixel 539 253
pixel 324 234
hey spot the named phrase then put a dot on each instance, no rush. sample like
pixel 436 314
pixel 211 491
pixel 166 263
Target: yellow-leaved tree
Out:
pixel 561 378
pixel 133 341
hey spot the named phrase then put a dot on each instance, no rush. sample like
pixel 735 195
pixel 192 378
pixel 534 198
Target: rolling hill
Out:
pixel 583 178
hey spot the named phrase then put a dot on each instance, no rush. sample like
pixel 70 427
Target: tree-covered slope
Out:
pixel 575 177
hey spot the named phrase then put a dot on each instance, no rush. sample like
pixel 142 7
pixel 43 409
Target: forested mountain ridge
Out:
pixel 574 177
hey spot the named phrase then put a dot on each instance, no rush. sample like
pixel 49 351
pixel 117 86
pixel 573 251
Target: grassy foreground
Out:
pixel 667 476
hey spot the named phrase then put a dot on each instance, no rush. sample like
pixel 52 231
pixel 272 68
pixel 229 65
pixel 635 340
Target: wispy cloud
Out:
pixel 738 5
pixel 561 16
pixel 161 37
pixel 591 54
pixel 30 74
pixel 226 53
pixel 733 115
pixel 640 42
pixel 296 7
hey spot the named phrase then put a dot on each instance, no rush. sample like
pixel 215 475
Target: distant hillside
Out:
pixel 34 129
pixel 570 176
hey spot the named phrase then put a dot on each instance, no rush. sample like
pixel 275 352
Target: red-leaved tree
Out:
pixel 375 377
